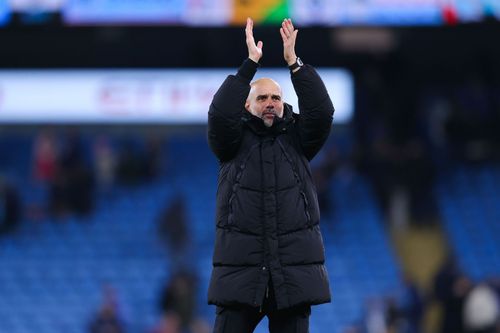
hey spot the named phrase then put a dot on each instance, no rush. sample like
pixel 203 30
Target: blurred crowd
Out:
pixel 464 306
pixel 73 171
pixel 177 309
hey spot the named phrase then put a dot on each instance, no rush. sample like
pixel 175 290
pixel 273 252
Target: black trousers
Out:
pixel 244 319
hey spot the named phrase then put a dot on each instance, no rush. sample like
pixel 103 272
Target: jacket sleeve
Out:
pixel 316 110
pixel 226 110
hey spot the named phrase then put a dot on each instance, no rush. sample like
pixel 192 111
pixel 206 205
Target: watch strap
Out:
pixel 298 63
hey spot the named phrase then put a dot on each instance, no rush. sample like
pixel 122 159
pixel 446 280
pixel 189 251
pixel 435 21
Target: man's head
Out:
pixel 264 100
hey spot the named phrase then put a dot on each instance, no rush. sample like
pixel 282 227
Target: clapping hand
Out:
pixel 254 50
pixel 289 35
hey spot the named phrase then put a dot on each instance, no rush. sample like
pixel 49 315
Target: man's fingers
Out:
pixel 289 26
pixel 248 29
pixel 288 29
pixel 283 36
pixel 287 34
pixel 249 23
pixel 285 28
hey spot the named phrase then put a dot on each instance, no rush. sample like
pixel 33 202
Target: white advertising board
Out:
pixel 178 96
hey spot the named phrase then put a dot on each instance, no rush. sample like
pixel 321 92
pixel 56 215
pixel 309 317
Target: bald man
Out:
pixel 264 100
pixel 269 256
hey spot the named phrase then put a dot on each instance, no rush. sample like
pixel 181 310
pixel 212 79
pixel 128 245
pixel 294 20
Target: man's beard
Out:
pixel 268 121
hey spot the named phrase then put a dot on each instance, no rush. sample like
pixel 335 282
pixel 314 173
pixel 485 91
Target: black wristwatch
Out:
pixel 298 63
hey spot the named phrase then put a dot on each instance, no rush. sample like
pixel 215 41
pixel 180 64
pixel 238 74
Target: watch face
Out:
pixel 299 62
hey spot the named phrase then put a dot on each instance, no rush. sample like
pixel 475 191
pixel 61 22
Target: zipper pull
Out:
pixel 267 292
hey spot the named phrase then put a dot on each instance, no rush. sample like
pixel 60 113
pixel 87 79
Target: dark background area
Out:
pixel 438 51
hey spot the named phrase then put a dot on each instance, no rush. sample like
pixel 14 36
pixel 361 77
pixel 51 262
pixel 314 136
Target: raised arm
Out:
pixel 316 108
pixel 228 104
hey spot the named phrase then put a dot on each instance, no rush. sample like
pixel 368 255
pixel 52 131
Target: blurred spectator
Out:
pixel 45 155
pixel 138 164
pixel 107 319
pixel 481 309
pixel 172 230
pixel 178 300
pixel 81 191
pixel 411 305
pixel 450 289
pixel 130 170
pixel 104 164
pixel 153 158
pixel 59 205
pixel 375 318
pixel 72 188
pixel 10 210
pixel 394 316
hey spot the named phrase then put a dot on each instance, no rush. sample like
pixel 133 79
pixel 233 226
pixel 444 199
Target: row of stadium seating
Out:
pixel 469 198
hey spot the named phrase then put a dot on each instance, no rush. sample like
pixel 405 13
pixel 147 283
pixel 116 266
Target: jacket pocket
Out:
pixel 306 208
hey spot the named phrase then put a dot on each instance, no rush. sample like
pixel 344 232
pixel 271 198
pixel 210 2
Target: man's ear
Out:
pixel 247 105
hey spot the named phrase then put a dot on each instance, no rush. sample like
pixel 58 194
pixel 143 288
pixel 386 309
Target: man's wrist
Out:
pixel 254 59
pixel 295 65
pixel 291 61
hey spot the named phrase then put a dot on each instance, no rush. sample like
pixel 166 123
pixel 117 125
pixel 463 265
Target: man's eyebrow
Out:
pixel 266 95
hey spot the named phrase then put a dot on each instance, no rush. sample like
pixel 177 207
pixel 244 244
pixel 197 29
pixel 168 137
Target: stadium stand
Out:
pixel 53 271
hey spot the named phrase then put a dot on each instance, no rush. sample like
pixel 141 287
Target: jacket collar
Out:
pixel 279 126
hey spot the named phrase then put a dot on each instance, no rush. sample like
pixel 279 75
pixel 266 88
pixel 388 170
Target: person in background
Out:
pixel 173 231
pixel 45 157
pixel 178 306
pixel 411 306
pixel 450 289
pixel 107 319
pixel 10 207
pixel 104 164
pixel 481 309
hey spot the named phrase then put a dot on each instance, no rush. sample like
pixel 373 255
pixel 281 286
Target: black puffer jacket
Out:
pixel 267 223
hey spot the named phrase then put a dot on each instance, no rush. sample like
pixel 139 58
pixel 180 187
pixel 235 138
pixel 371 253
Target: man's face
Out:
pixel 264 100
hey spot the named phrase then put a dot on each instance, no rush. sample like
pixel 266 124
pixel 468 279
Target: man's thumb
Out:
pixel 260 44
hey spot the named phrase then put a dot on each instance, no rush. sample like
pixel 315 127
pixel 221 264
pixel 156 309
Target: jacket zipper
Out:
pixel 264 234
